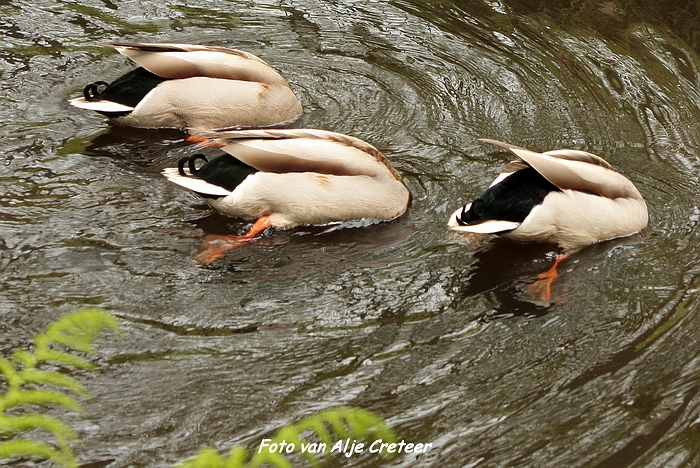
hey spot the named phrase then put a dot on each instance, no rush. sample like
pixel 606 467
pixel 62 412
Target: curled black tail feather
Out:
pixel 463 218
pixel 92 91
pixel 191 164
pixel 128 90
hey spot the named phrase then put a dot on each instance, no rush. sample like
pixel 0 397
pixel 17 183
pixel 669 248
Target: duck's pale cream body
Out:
pixel 304 177
pixel 305 198
pixel 593 202
pixel 210 103
pixel 204 88
pixel 557 222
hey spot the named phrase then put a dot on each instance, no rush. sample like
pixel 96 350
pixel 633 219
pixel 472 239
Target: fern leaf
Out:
pixel 209 457
pixel 236 458
pixel 376 426
pixel 26 448
pixel 51 356
pixel 288 434
pixel 346 422
pixel 359 424
pixel 13 425
pixel 25 357
pixel 30 386
pixel 79 329
pixel 318 426
pixel 275 459
pixel 334 417
pixel 18 398
pixel 55 379
pixel 10 373
pixel 292 435
pixel 366 425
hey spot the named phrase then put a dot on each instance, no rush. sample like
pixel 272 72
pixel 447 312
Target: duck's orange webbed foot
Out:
pixel 542 288
pixel 205 142
pixel 216 245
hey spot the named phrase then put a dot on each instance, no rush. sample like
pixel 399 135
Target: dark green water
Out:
pixel 406 319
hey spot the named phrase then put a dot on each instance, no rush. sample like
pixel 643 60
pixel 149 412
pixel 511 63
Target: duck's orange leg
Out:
pixel 216 245
pixel 542 288
pixel 205 142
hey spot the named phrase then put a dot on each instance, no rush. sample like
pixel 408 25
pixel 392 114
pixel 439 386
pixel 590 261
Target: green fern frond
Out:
pixel 10 373
pixel 368 425
pixel 292 435
pixel 344 422
pixel 275 459
pixel 210 458
pixel 318 426
pixel 77 330
pixel 61 358
pixel 347 422
pixel 26 448
pixel 30 387
pixel 336 420
pixel 26 358
pixel 13 425
pixel 18 398
pixel 56 379
pixel 236 458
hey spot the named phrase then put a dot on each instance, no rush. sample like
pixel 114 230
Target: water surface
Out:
pixel 434 333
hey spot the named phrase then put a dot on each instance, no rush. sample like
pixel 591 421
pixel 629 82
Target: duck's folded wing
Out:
pixel 227 135
pixel 576 170
pixel 178 61
pixel 580 176
pixel 578 155
pixel 304 150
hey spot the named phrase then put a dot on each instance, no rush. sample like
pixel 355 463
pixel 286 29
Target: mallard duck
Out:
pixel 286 178
pixel 192 86
pixel 566 197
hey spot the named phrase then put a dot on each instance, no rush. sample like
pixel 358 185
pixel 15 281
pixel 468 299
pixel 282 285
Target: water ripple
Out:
pixel 433 332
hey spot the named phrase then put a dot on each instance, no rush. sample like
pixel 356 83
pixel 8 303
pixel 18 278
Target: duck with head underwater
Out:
pixel 192 86
pixel 566 197
pixel 289 177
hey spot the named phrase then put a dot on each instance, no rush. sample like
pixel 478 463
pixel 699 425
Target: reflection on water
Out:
pixel 432 331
